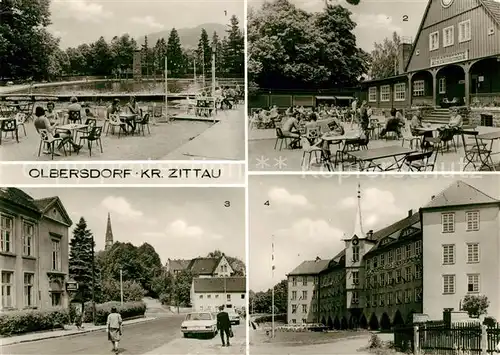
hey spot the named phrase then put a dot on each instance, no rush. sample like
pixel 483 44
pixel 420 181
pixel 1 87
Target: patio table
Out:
pixel 488 161
pixel 73 127
pixel 370 156
pixel 129 119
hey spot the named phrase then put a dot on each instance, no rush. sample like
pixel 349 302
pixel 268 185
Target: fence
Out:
pixel 446 339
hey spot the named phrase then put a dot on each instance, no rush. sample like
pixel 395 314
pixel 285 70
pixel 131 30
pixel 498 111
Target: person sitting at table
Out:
pixel 50 113
pixel 114 108
pixel 225 98
pixel 415 124
pixel 75 106
pixel 290 129
pixel 456 121
pixel 393 124
pixel 42 122
pixel 133 109
pixel 89 113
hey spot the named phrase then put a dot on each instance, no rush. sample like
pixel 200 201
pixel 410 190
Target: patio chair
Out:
pixel 114 121
pixel 94 135
pixel 476 152
pixel 21 120
pixel 409 137
pixel 49 141
pixel 143 123
pixel 313 133
pixel 308 150
pixel 447 135
pixel 74 116
pixel 281 138
pixel 91 123
pixel 7 126
pixel 421 161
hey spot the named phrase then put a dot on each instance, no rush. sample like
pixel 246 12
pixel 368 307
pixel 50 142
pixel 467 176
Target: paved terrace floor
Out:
pixel 263 157
pixel 177 140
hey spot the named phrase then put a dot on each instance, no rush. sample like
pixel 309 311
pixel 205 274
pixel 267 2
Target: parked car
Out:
pixel 234 317
pixel 199 323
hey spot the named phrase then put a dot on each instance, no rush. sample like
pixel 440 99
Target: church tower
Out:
pixel 109 234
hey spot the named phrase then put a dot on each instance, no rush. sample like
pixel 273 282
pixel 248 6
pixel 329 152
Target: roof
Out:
pixel 19 197
pixel 397 226
pixel 493 7
pixel 309 267
pixel 219 284
pixel 43 203
pixel 178 264
pixel 203 266
pixel 460 194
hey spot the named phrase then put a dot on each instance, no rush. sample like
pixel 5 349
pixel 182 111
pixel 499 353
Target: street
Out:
pixel 159 336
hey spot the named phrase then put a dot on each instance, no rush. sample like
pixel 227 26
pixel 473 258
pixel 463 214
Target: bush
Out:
pixel 128 310
pixel 490 322
pixel 164 298
pixel 19 322
pixel 375 342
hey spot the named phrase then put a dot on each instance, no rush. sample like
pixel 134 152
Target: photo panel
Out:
pixel 164 267
pixel 359 85
pixel 333 261
pixel 101 80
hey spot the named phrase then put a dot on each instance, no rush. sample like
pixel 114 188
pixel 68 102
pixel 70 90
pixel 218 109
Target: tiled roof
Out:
pixel 18 197
pixel 399 225
pixel 43 203
pixel 494 8
pixel 458 194
pixel 310 267
pixel 178 264
pixel 203 266
pixel 219 284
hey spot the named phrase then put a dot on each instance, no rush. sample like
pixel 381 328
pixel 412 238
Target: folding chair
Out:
pixel 421 161
pixel 476 152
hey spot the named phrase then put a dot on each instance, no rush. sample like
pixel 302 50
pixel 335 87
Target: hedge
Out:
pixel 128 310
pixel 18 322
pixel 269 318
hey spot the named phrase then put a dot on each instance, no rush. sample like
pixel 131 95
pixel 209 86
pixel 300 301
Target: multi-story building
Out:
pixel 208 294
pixel 303 285
pixel 33 251
pixel 455 54
pixel 461 244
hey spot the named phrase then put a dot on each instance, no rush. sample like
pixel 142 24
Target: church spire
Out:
pixel 358 225
pixel 109 234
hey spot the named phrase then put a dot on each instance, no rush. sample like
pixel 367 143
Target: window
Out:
pixel 304 281
pixel 434 41
pixel 418 247
pixel 418 271
pixel 28 289
pixel 448 222
pixel 400 92
pixel 56 255
pixel 398 276
pixel 7 226
pixel 372 94
pixel 355 253
pixel 389 298
pixel 242 296
pixel 448 254
pixel 7 288
pixel 294 321
pixel 294 308
pixel 385 93
pixel 56 299
pixel 464 32
pixel 304 321
pixel 304 295
pixel 294 295
pixel 28 237
pixel 408 274
pixel 419 88
pixel 473 283
pixel 381 299
pixel 472 219
pixel 216 296
pixel 448 284
pixel 228 297
pixel 448 36
pixel 294 281
pixel 390 257
pixel 375 261
pixel 398 254
pixel 390 277
pixel 355 297
pixel 304 308
pixel 382 259
pixel 355 277
pixel 201 297
pixel 408 251
pixel 473 252
pixel 442 85
pixel 201 308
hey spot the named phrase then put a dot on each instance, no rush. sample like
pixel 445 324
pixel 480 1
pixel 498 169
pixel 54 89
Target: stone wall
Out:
pixel 475 115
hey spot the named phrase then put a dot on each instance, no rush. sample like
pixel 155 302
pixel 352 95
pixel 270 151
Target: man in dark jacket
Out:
pixel 224 325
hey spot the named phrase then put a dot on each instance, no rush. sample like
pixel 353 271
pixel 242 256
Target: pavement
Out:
pixel 138 338
pixel 224 140
pixel 263 157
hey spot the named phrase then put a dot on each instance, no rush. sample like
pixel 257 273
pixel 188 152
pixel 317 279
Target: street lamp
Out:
pixel 121 285
pixel 272 292
pixel 93 280
pixel 166 88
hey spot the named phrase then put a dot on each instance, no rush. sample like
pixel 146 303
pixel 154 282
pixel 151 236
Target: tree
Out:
pixel 160 51
pixel 162 285
pixel 475 306
pixel 182 289
pixel 102 59
pixel 234 49
pixel 219 55
pixel 132 291
pixel 124 257
pixel 385 58
pixel 80 260
pixel 151 265
pixel 123 49
pixel 175 56
pixel 204 52
pixel 261 302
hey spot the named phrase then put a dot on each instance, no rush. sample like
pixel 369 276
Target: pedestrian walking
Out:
pixel 114 328
pixel 224 326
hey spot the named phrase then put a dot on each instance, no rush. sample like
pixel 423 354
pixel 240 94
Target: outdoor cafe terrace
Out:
pixel 471 148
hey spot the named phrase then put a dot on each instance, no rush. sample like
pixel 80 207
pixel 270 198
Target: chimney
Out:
pixel 410 213
pixel 318 258
pixel 432 197
pixel 404 51
pixel 369 235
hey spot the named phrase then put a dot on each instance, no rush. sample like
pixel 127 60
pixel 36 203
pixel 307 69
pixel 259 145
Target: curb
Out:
pixel 69 334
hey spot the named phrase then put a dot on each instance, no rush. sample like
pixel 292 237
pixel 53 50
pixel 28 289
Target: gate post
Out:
pixel 484 340
pixel 416 345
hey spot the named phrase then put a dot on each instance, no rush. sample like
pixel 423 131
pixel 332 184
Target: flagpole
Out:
pixel 272 292
pixel 166 88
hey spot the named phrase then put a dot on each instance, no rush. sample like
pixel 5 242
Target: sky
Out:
pixel 177 222
pixel 309 216
pixel 376 19
pixel 84 21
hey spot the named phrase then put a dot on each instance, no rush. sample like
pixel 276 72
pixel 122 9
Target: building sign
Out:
pixel 450 58
pixel 71 286
pixel 137 66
